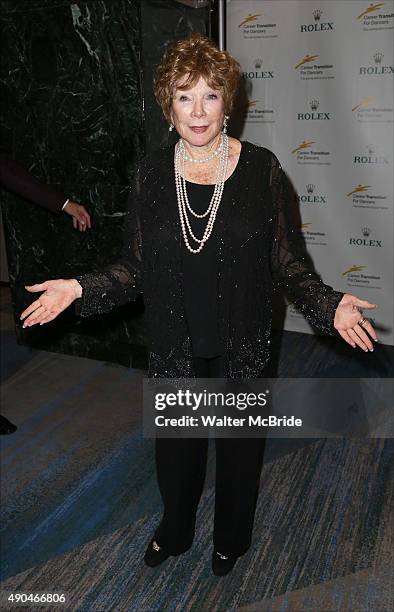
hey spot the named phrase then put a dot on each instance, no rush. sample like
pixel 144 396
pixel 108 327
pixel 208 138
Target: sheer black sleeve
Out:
pixel 120 282
pixel 290 267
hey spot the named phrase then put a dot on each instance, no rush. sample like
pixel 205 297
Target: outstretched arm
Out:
pixel 328 310
pixel 350 323
pixel 57 296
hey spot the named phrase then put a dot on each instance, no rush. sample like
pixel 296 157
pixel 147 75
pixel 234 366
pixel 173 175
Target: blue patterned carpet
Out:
pixel 79 498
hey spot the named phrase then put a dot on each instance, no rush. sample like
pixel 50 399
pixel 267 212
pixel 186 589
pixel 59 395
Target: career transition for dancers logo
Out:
pixel 376 16
pixel 362 276
pixel 371 109
pixel 311 152
pixel 256 111
pixel 313 236
pixel 260 24
pixel 368 196
pixel 313 67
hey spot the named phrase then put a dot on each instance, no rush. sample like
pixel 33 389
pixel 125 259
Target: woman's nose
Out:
pixel 198 109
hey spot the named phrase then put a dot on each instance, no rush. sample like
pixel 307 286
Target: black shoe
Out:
pixel 222 565
pixel 6 427
pixel 155 554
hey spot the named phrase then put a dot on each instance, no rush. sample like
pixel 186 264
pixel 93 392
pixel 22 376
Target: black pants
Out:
pixel 181 467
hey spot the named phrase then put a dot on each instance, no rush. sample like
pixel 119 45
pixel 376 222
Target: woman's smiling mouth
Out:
pixel 199 129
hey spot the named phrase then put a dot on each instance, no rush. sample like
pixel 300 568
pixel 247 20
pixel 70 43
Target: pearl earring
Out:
pixel 170 127
pixel 226 118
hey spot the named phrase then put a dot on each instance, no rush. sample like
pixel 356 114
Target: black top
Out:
pixel 259 248
pixel 200 275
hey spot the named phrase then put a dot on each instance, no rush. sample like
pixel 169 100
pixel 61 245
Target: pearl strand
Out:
pixel 203 160
pixel 182 191
pixel 216 198
pixel 185 192
pixel 183 203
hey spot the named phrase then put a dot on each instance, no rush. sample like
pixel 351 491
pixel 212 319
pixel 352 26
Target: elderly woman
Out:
pixel 208 237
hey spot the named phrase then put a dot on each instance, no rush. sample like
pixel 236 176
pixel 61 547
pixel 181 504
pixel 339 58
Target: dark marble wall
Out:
pixel 162 23
pixel 71 112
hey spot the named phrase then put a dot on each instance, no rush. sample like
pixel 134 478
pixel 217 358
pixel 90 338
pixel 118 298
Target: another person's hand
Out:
pixel 58 295
pixel 81 217
pixel 352 325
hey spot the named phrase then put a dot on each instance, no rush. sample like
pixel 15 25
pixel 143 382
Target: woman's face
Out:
pixel 198 113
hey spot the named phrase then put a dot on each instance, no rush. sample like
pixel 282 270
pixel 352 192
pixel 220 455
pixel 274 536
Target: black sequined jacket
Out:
pixel 260 248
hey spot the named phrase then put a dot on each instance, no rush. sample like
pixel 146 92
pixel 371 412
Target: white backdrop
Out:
pixel 319 83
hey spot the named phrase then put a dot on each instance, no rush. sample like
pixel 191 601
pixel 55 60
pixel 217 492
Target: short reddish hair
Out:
pixel 195 57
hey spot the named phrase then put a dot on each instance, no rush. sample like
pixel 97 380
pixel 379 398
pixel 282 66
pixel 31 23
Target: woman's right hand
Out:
pixel 58 295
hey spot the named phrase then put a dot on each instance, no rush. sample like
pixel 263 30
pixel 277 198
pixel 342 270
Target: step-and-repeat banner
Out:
pixel 318 92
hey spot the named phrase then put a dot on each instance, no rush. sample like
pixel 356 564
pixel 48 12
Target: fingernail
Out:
pixel 371 350
pixel 376 340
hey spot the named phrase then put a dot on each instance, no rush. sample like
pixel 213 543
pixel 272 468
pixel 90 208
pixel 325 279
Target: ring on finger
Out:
pixel 362 321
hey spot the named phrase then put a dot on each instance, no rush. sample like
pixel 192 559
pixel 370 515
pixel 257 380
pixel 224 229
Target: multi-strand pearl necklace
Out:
pixel 199 160
pixel 183 201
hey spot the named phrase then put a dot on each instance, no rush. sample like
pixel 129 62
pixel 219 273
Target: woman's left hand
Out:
pixel 351 324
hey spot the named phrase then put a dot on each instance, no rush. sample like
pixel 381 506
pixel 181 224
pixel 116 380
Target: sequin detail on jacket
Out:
pixel 260 249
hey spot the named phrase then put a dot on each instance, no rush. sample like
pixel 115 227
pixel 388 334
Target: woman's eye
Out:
pixel 212 96
pixel 183 98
